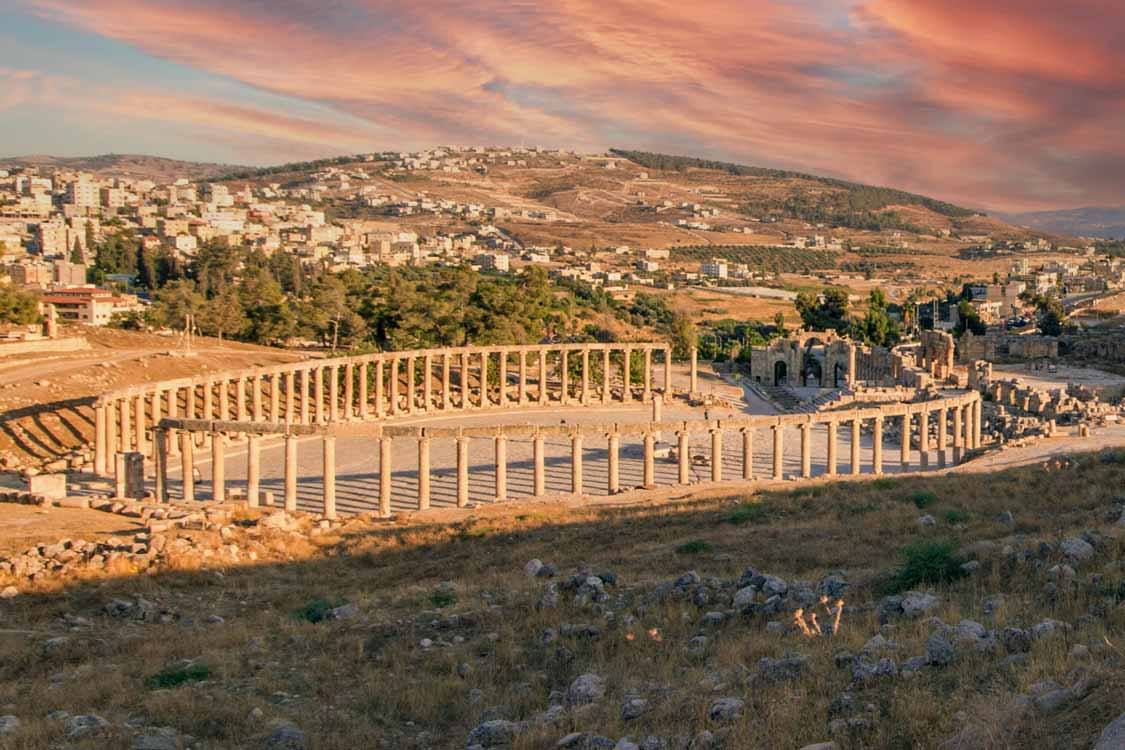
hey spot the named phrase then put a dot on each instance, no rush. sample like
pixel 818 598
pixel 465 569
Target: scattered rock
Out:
pixel 587 688
pixel 284 735
pixel 85 725
pixel 1077 550
pixel 634 709
pixel 725 710
pixel 1113 736
pixel 494 733
pixel 9 725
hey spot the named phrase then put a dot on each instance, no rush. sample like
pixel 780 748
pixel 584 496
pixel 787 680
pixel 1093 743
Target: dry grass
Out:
pixel 367 681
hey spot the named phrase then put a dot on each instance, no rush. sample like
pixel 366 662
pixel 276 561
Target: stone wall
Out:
pixel 1001 347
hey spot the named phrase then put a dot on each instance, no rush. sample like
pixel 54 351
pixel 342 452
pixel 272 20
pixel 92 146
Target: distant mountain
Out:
pixel 133 166
pixel 1108 223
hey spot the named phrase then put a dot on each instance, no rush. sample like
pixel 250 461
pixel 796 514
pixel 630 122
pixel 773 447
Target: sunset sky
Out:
pixel 1000 104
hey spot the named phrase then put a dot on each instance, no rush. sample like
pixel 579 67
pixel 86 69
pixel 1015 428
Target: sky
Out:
pixel 995 104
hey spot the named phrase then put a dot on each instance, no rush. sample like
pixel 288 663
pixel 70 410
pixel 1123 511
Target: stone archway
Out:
pixel 812 373
pixel 839 375
pixel 780 373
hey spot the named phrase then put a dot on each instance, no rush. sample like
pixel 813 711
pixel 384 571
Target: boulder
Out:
pixel 725 710
pixel 586 689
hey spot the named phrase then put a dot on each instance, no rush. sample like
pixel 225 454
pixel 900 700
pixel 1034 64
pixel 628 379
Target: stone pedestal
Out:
pixel 129 475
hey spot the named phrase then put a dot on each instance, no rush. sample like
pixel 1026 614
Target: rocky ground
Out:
pixel 958 612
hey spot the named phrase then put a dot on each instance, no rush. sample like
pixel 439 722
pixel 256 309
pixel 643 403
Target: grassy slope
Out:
pixel 367 682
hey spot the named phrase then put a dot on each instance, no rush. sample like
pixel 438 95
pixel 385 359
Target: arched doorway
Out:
pixel 839 375
pixel 812 374
pixel 780 372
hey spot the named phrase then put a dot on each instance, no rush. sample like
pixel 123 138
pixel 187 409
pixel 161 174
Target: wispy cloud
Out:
pixel 1011 103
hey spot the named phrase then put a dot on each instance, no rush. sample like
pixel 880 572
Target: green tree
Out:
pixel 18 306
pixel 222 314
pixel 174 303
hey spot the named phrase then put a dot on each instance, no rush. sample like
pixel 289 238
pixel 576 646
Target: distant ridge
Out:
pixel 1106 223
pixel 134 166
pixel 859 196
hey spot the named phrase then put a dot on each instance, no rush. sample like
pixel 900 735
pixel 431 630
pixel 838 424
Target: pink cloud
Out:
pixel 978 103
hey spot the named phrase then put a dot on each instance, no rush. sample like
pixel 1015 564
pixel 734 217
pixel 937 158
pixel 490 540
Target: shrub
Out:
pixel 922 499
pixel 694 547
pixel 956 516
pixel 883 483
pixel 926 562
pixel 750 512
pixel 317 610
pixel 178 675
pixel 441 598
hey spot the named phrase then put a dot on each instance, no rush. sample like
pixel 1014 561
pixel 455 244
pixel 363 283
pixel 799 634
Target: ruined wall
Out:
pixel 999 347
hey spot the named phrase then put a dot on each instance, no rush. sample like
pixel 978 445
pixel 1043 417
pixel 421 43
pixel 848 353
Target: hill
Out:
pixel 665 625
pixel 1106 223
pixel 132 166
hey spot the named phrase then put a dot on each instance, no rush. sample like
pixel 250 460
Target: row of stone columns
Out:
pixel 965 420
pixel 343 392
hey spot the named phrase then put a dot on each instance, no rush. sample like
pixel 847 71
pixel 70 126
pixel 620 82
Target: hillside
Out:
pixel 1107 223
pixel 665 625
pixel 132 166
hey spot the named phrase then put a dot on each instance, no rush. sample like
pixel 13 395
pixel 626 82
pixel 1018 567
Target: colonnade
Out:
pixel 956 421
pixel 378 386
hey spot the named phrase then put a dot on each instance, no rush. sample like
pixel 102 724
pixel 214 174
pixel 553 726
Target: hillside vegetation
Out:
pixel 995 622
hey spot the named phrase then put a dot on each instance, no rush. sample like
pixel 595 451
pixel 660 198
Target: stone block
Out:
pixel 52 486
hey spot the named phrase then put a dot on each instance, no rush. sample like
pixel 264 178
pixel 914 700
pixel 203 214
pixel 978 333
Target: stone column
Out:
pixel 649 461
pixel 224 401
pixel 576 463
pixel 466 390
pixel 626 386
pixel 747 453
pixel 485 399
pixel 646 386
pixel 806 449
pixel 386 476
pixel 110 433
pixel 968 420
pixel 139 423
pixel 380 406
pixel 275 397
pixel 394 386
pixel 667 371
pixel 218 468
pixel 778 451
pixel 658 408
pixel 613 451
pixel 942 429
pixel 423 473
pixel 445 382
pixel 256 398
pixel 100 439
pixel 157 397
pixel 160 454
pixel 209 399
pixel 830 469
pixel 539 483
pixel 173 405
pixel 924 439
pixel 877 445
pixel 684 450
pixel 189 401
pixel 977 423
pixel 253 469
pixel 427 368
pixel 304 396
pixel 694 381
pixel 240 400
pixel 904 447
pixel 349 392
pixel 502 377
pixel 716 455
pixel 462 471
pixel 318 395
pixel 585 376
pixel 334 394
pixel 522 393
pixel 290 473
pixel 543 395
pixel 328 442
pixel 606 394
pixel 124 408
pixel 958 435
pixel 500 446
pixel 857 440
pixel 564 376
pixel 187 465
pixel 290 396
pixel 364 409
